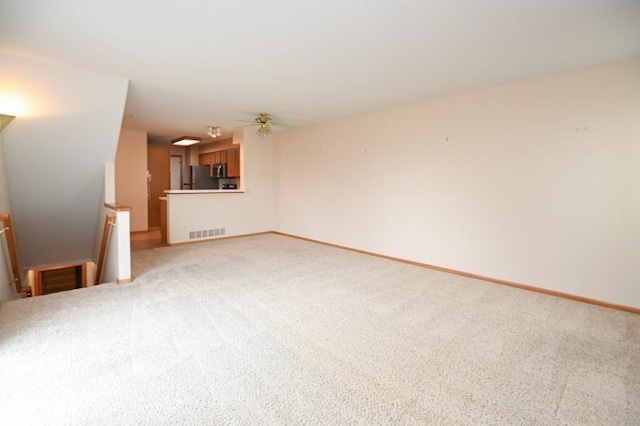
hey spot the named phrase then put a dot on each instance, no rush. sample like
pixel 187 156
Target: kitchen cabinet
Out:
pixel 229 156
pixel 204 159
pixel 218 157
pixel 233 162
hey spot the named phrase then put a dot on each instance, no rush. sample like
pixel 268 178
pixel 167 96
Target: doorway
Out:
pixel 158 162
pixel 176 172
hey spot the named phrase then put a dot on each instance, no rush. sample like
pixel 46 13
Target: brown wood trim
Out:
pixel 118 207
pixel 106 231
pixel 37 284
pixel 146 231
pixel 13 254
pixel 480 277
pixel 202 240
pixel 61 266
pixel 83 269
pixel 124 281
pixel 37 275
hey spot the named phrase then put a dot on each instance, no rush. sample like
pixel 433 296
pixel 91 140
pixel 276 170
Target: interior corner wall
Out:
pixel 55 150
pixel 7 290
pixel 5 199
pixel 534 182
pixel 131 176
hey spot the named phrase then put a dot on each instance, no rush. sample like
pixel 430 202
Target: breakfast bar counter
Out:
pixel 203 191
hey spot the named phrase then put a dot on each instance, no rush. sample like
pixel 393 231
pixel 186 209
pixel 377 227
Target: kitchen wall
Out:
pixel 534 182
pixel 219 145
pixel 131 176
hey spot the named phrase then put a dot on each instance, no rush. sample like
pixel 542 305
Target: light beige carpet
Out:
pixel 275 330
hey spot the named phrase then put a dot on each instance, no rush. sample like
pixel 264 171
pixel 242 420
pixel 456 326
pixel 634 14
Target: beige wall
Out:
pixel 178 150
pixel 5 200
pixel 54 152
pixel 216 146
pixel 535 182
pixel 239 213
pixel 131 176
pixel 7 292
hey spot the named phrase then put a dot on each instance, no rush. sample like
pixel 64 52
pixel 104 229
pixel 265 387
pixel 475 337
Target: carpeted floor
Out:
pixel 275 330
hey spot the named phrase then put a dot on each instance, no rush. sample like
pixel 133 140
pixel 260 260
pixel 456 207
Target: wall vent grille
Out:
pixel 206 233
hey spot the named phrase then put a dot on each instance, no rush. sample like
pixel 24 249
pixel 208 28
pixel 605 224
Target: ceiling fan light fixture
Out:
pixel 186 141
pixel 264 130
pixel 264 124
pixel 214 131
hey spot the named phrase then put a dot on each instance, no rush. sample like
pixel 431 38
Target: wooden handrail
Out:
pixel 13 254
pixel 108 221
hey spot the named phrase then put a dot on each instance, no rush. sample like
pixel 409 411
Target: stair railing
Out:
pixel 109 221
pixel 7 230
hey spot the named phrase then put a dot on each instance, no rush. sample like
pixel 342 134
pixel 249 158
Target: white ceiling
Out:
pixel 196 63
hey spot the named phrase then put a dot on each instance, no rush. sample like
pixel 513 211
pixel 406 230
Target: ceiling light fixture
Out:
pixel 214 131
pixel 186 141
pixel 264 124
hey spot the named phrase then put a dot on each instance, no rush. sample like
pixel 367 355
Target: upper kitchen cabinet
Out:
pixel 233 162
pixel 225 152
pixel 218 157
pixel 205 159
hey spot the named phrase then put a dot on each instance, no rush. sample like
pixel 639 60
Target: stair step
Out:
pixel 48 288
pixel 62 279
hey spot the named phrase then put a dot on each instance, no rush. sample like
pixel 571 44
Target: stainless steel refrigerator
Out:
pixel 198 177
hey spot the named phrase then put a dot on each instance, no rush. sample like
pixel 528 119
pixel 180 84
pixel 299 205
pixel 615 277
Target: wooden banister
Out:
pixel 13 254
pixel 108 221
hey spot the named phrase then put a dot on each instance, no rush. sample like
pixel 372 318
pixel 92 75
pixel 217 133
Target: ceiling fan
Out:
pixel 265 124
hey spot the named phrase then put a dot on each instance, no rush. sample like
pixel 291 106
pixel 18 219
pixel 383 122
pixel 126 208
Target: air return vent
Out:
pixel 206 233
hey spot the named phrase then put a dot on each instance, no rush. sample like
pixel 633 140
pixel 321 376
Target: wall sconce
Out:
pixel 186 141
pixel 5 120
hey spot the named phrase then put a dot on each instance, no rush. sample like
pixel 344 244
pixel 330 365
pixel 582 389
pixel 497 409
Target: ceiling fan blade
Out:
pixel 275 123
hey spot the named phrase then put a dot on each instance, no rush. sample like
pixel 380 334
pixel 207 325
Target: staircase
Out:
pixel 6 229
pixel 54 279
pixel 60 279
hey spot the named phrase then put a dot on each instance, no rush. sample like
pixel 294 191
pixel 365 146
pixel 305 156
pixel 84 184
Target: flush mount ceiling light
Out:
pixel 185 141
pixel 214 131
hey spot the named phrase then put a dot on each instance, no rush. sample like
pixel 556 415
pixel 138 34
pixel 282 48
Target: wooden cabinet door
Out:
pixel 215 157
pixel 204 159
pixel 233 162
pixel 223 156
